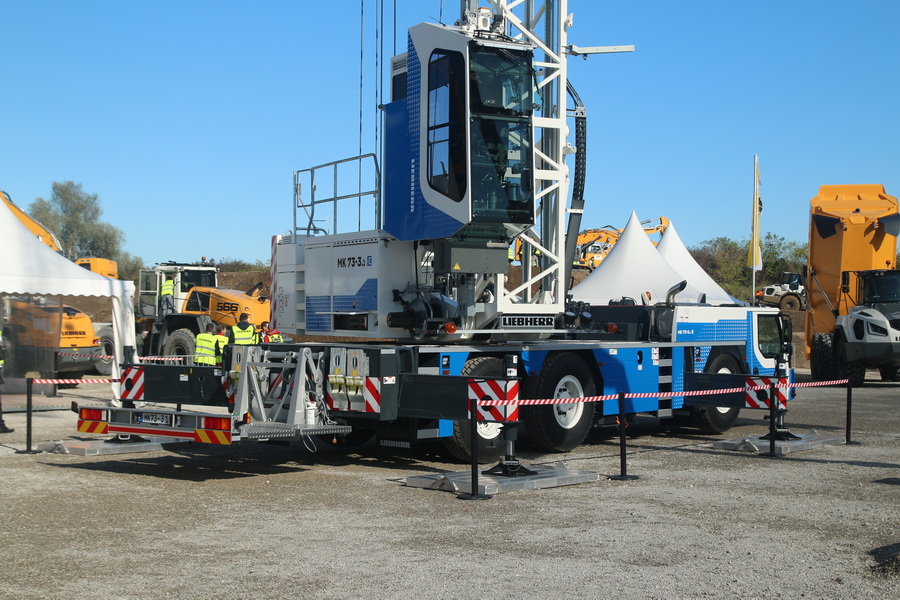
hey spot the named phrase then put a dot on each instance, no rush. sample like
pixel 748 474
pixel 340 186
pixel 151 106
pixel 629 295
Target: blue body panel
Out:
pixel 407 215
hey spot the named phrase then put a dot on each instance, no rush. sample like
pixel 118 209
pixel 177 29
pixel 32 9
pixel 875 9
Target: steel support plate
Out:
pixel 546 476
pixel 804 441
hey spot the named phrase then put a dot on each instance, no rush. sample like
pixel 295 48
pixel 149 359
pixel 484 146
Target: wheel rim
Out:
pixel 723 409
pixel 488 430
pixel 568 415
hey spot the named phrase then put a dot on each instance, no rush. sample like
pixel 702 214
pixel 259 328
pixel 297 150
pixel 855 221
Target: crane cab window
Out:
pixel 446 158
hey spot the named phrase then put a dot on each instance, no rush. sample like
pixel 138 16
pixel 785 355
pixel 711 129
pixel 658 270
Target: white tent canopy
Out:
pixel 676 254
pixel 30 267
pixel 633 269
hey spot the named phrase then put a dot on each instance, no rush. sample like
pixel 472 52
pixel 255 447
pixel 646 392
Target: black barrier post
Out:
pixel 773 403
pixel 623 465
pixel 849 414
pixel 29 382
pixel 473 451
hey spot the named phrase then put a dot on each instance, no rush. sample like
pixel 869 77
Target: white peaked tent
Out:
pixel 672 249
pixel 632 268
pixel 30 267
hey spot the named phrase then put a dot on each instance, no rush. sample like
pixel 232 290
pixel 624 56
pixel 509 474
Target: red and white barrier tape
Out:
pixel 57 381
pixel 750 388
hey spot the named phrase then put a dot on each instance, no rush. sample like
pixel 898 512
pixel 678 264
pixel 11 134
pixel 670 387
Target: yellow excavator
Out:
pixel 197 301
pixel 594 244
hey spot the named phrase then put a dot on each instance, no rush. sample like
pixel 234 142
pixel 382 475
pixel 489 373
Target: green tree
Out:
pixel 74 216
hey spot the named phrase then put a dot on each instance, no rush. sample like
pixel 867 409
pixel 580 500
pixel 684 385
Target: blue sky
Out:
pixel 189 118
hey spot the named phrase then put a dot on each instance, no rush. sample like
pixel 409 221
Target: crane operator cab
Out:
pixel 461 116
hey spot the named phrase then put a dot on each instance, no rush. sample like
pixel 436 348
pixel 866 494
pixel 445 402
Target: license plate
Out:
pixel 155 418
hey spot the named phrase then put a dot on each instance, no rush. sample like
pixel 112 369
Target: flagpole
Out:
pixel 754 224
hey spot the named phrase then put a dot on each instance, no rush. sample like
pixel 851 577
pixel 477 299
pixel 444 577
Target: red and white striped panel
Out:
pixel 494 389
pixel 229 388
pixel 136 376
pixel 751 400
pixel 372 394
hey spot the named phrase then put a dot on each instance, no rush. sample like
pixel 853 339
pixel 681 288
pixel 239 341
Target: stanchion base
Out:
pixel 28 451
pixel 474 496
pixel 852 443
pixel 623 477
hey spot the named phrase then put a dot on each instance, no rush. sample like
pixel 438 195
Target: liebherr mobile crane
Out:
pixel 474 160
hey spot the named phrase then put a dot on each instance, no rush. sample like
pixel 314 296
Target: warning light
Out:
pixel 610 327
pixel 90 414
pixel 449 327
pixel 247 418
pixel 220 423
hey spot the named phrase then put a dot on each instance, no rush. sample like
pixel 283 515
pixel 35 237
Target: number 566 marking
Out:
pixel 227 307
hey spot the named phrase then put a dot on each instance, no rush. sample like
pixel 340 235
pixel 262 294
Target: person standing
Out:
pixel 221 342
pixel 243 333
pixel 167 297
pixel 205 347
pixel 3 427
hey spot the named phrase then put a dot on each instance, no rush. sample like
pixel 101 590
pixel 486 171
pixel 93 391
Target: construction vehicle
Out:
pixel 102 266
pixel 789 293
pixel 42 335
pixel 853 320
pixel 198 301
pixel 71 331
pixel 418 319
pixel 594 244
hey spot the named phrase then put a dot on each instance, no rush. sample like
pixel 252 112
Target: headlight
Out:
pixel 877 329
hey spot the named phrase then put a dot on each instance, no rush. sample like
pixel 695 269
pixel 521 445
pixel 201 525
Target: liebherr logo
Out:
pixel 526 321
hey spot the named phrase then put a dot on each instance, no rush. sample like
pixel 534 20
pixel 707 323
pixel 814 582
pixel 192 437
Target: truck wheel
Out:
pixel 854 371
pixel 789 302
pixel 180 343
pixel 718 419
pixel 560 427
pixel 107 348
pixel 490 445
pixel 821 357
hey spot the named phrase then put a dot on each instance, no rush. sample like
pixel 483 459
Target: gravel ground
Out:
pixel 264 521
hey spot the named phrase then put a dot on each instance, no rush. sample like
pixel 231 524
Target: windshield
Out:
pixel 882 287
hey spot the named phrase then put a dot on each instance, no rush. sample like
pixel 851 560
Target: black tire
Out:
pixel 789 302
pixel 491 446
pixel 717 419
pixel 180 342
pixel 888 373
pixel 560 427
pixel 854 371
pixel 107 348
pixel 821 357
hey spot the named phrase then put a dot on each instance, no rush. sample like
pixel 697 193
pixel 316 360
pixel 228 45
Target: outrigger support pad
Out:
pixel 509 465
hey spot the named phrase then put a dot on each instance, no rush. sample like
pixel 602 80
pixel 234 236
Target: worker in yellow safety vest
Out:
pixel 205 347
pixel 243 333
pixel 167 297
pixel 3 427
pixel 221 342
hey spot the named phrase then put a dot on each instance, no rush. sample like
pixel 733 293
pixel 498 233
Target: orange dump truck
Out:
pixel 853 317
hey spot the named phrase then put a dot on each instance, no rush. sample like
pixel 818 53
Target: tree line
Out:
pixel 725 260
pixel 74 216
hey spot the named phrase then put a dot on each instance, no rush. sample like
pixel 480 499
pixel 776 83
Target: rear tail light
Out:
pixel 90 414
pixel 220 423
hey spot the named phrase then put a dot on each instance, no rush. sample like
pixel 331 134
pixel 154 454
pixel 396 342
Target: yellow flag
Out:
pixel 754 256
